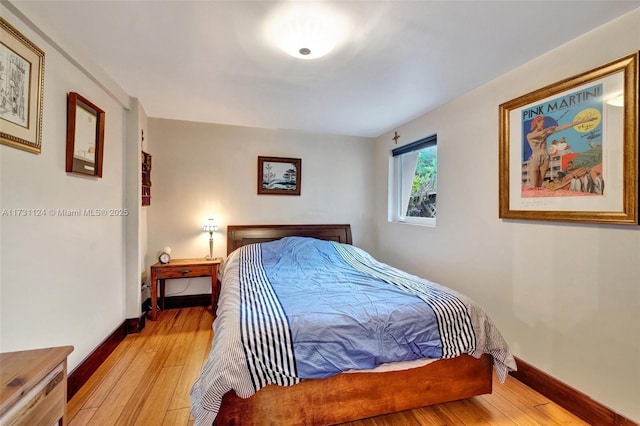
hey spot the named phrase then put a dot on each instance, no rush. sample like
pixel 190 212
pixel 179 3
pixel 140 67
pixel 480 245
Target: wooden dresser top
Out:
pixel 20 371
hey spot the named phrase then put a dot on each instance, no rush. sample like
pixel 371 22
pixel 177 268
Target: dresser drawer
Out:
pixel 184 271
pixel 44 404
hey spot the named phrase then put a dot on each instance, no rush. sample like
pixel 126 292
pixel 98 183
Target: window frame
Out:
pixel 395 188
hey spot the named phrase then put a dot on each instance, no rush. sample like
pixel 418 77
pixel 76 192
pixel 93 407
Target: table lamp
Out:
pixel 210 226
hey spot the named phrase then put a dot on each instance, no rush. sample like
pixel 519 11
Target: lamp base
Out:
pixel 210 257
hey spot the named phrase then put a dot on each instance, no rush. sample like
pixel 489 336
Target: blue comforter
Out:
pixel 300 308
pixel 342 312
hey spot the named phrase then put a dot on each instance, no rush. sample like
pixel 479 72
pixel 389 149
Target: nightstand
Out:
pixel 183 268
pixel 34 386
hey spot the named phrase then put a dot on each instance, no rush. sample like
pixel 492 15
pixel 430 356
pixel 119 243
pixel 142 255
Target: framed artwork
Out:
pixel 21 85
pixel 569 151
pixel 146 178
pixel 279 176
pixel 85 136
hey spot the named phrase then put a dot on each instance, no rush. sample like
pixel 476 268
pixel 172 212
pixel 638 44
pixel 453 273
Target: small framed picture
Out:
pixel 85 136
pixel 279 176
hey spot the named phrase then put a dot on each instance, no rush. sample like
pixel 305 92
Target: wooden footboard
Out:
pixel 352 396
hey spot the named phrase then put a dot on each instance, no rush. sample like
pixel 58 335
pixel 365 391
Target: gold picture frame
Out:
pixel 279 176
pixel 569 151
pixel 21 90
pixel 85 136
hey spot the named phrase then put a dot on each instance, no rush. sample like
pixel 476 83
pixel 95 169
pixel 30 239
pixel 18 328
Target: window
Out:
pixel 415 172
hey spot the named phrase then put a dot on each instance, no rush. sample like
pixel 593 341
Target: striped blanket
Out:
pixel 300 308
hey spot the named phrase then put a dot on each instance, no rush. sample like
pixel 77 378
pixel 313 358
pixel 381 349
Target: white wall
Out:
pixel 136 220
pixel 61 277
pixel 566 296
pixel 207 169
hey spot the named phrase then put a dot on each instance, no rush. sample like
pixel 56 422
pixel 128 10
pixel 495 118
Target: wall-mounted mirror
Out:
pixel 85 136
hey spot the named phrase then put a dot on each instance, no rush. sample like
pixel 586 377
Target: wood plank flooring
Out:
pixel 146 381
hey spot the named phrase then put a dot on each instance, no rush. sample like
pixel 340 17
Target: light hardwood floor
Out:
pixel 146 381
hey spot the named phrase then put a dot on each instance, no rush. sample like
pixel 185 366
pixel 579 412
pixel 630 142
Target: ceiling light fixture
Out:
pixel 306 30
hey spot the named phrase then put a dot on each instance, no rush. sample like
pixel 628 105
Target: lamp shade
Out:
pixel 210 225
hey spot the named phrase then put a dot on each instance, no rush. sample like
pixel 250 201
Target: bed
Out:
pixel 290 373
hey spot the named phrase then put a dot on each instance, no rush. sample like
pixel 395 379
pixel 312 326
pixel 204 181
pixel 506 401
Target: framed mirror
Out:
pixel 85 136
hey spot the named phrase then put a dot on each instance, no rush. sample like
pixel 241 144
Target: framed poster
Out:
pixel 279 176
pixel 21 85
pixel 569 151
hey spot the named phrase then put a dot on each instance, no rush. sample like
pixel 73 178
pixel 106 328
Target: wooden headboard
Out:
pixel 240 235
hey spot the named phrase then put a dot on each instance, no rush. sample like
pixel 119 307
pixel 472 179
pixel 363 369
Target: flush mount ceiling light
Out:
pixel 306 30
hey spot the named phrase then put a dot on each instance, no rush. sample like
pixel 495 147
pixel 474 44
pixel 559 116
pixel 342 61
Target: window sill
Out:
pixel 430 223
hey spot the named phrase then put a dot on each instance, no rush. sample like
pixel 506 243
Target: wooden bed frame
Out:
pixel 348 396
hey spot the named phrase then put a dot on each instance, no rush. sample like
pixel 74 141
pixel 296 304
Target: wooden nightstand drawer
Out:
pixel 185 271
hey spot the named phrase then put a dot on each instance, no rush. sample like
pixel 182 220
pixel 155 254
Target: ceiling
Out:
pixel 209 61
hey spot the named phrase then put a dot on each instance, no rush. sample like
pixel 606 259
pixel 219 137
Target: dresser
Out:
pixel 34 386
